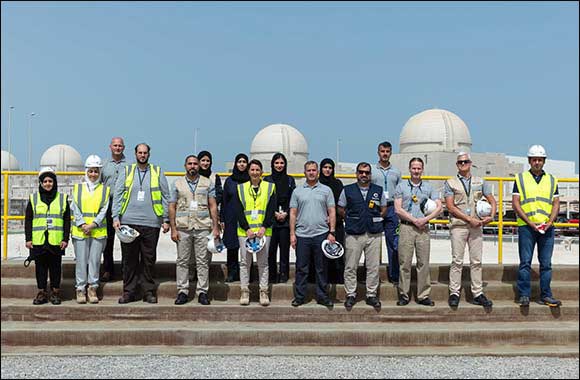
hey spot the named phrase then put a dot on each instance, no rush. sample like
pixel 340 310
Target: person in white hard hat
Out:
pixel 462 193
pixel 536 202
pixel 90 201
pixel 414 233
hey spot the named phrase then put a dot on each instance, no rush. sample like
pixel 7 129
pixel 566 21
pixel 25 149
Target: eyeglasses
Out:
pixel 364 172
pixel 463 162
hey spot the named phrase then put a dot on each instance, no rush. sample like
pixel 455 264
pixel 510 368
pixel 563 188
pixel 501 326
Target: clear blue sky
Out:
pixel 153 72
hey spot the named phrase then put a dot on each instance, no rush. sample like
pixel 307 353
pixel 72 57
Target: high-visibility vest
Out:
pixel 536 198
pixel 153 184
pixel 48 218
pixel 255 205
pixel 90 204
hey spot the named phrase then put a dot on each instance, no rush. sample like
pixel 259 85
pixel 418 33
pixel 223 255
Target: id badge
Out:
pixel 141 196
pixel 49 222
pixel 254 214
pixel 386 194
pixel 468 211
pixel 371 204
pixel 193 205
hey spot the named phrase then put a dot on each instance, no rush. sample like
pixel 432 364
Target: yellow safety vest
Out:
pixel 154 185
pixel 255 205
pixel 48 218
pixel 536 198
pixel 90 204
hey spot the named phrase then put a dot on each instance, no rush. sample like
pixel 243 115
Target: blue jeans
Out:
pixel 391 224
pixel 527 239
pixel 305 248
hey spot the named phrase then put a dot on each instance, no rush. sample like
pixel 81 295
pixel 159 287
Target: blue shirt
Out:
pixel 422 191
pixel 387 178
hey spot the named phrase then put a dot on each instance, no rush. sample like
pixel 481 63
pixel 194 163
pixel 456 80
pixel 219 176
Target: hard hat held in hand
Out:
pixel 428 206
pixel 537 151
pixel 255 245
pixel 127 234
pixel 93 161
pixel 215 245
pixel 332 250
pixel 483 209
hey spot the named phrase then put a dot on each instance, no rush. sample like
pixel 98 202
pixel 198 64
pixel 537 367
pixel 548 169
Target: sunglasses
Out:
pixel 463 162
pixel 367 172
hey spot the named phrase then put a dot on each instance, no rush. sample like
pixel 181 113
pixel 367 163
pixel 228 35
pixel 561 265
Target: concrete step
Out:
pixel 233 333
pixel 21 310
pixel 495 290
pixel 218 271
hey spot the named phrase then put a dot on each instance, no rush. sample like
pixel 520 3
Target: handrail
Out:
pixel 7 173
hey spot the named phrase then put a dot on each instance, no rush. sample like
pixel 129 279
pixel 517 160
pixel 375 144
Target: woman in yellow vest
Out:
pixel 89 205
pixel 47 229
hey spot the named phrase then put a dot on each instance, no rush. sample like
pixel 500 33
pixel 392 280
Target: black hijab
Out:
pixel 281 179
pixel 331 181
pixel 47 196
pixel 205 172
pixel 237 175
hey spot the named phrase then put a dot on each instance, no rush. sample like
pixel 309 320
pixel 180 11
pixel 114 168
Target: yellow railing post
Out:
pixel 5 219
pixel 500 224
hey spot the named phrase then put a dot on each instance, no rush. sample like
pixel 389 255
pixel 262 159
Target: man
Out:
pixel 461 196
pixel 140 201
pixel 192 213
pixel 363 206
pixel 312 212
pixel 109 176
pixel 536 202
pixel 388 178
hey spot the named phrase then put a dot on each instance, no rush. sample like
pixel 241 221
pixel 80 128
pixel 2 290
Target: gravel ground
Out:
pixel 237 367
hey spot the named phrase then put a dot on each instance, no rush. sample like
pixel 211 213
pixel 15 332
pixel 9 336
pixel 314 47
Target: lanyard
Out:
pixel 412 188
pixel 464 187
pixel 141 178
pixel 255 193
pixel 194 187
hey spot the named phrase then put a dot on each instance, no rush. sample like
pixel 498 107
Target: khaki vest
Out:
pixel 187 218
pixel 462 200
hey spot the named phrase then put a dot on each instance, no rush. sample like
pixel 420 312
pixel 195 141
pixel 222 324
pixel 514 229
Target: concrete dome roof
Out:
pixel 279 138
pixel 435 130
pixel 62 158
pixel 9 161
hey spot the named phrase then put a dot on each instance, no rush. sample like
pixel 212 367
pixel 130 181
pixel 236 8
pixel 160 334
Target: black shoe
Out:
pixel 325 302
pixel 126 298
pixel 149 298
pixel 349 303
pixel 283 279
pixel 426 302
pixel 482 300
pixel 453 300
pixel 524 301
pixel 403 300
pixel 229 278
pixel 551 301
pixel 203 299
pixel 55 297
pixel 297 302
pixel 106 277
pixel 41 298
pixel 181 298
pixel 373 301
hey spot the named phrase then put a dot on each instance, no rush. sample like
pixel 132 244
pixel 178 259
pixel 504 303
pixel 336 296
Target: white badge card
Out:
pixel 193 205
pixel 254 214
pixel 141 196
pixel 49 222
pixel 386 194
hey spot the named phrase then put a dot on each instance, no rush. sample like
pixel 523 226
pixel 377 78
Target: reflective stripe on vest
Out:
pixel 536 198
pixel 259 204
pixel 90 204
pixel 153 184
pixel 48 218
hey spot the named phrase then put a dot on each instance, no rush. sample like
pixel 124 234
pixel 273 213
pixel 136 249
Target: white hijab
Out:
pixel 91 185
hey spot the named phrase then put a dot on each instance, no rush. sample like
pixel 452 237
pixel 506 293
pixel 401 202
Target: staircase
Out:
pixel 227 327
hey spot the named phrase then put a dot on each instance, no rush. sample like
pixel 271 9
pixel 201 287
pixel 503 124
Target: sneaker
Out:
pixel 92 294
pixel 81 296
pixel 453 300
pixel 426 302
pixel 482 301
pixel 349 303
pixel 373 301
pixel 55 297
pixel 325 302
pixel 181 298
pixel 264 300
pixel 524 301
pixel 203 299
pixel 403 300
pixel 245 297
pixel 41 298
pixel 551 301
pixel 297 302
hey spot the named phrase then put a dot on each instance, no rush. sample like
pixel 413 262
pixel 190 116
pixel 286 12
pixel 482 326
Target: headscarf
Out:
pixel 281 179
pixel 205 172
pixel 237 175
pixel 91 185
pixel 331 181
pixel 47 196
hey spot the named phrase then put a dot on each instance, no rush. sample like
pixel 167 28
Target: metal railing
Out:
pixel 500 223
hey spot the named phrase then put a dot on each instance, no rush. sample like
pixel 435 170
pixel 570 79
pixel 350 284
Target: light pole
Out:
pixel 337 153
pixel 9 133
pixel 195 140
pixel 32 114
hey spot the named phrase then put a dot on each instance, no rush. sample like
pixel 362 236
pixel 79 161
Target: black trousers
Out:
pixel 280 237
pixel 336 266
pixel 45 263
pixel 108 261
pixel 307 249
pixel 233 262
pixel 139 261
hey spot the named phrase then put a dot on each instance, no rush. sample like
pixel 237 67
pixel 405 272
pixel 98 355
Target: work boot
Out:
pixel 245 296
pixel 81 296
pixel 264 300
pixel 55 297
pixel 41 298
pixel 93 298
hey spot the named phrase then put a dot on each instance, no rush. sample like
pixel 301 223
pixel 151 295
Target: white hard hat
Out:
pixel 127 234
pixel 255 245
pixel 332 250
pixel 428 206
pixel 483 209
pixel 537 151
pixel 45 169
pixel 215 245
pixel 93 161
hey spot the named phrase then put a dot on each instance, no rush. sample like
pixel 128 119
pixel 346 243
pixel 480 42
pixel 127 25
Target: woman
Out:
pixel 47 236
pixel 205 162
pixel 410 196
pixel 256 207
pixel 335 266
pixel 285 185
pixel 89 232
pixel 228 215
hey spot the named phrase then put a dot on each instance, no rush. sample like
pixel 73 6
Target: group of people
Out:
pixel 263 216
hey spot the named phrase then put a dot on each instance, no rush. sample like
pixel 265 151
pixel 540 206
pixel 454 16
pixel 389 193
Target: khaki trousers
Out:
pixel 354 246
pixel 246 264
pixel 192 248
pixel 412 239
pixel 460 236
